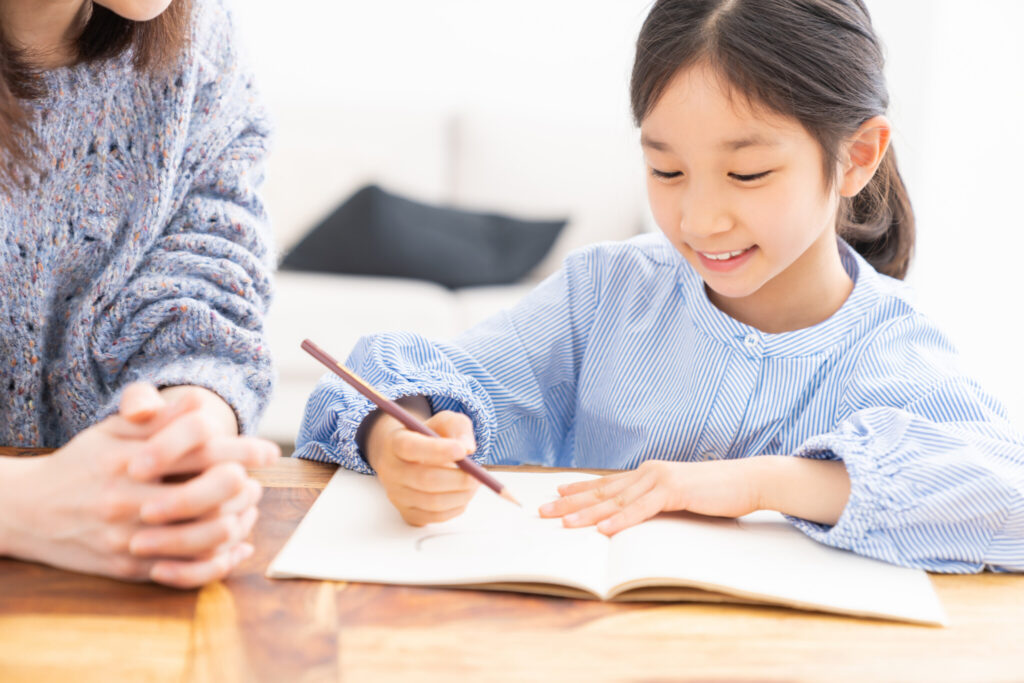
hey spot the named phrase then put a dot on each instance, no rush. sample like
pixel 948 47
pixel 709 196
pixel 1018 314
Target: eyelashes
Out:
pixel 665 175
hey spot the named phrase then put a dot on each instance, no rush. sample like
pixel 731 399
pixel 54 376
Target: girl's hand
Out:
pixel 419 472
pixel 78 509
pixel 727 488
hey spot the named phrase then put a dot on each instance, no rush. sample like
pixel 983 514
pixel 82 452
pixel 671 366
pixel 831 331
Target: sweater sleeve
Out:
pixel 514 375
pixel 936 470
pixel 192 310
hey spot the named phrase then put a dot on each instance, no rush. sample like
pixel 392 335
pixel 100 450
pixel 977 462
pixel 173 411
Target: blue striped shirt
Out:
pixel 620 357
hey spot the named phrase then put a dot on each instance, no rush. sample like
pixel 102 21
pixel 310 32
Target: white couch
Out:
pixel 587 171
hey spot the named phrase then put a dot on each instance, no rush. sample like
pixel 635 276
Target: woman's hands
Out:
pixel 418 472
pixel 101 504
pixel 816 490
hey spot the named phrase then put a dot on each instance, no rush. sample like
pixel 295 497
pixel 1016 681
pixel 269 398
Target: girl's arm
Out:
pixel 936 470
pixel 514 375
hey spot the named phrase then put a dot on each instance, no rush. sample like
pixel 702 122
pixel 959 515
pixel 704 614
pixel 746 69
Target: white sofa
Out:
pixel 587 171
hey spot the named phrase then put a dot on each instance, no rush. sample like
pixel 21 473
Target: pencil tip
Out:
pixel 509 497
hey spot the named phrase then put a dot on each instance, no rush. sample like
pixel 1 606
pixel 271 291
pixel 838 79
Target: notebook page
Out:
pixel 763 555
pixel 353 533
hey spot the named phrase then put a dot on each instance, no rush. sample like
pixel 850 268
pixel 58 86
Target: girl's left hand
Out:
pixel 724 488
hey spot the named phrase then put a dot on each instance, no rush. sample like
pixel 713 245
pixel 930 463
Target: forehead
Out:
pixel 700 106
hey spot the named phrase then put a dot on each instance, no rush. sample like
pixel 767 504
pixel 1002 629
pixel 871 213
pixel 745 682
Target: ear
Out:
pixel 864 151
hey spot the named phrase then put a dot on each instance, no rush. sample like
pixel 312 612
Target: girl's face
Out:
pixel 741 194
pixel 136 10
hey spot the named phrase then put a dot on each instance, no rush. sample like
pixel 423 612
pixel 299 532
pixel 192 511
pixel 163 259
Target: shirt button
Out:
pixel 709 456
pixel 752 343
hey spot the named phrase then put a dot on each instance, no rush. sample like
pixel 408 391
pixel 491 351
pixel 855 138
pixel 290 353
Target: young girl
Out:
pixel 135 273
pixel 760 354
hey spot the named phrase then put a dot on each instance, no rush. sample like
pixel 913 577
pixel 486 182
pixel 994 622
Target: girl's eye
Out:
pixel 749 178
pixel 663 174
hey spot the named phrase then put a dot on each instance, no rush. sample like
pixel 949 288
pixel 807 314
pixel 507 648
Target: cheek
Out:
pixel 664 206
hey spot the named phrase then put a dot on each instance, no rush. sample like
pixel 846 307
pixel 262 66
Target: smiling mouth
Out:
pixel 724 255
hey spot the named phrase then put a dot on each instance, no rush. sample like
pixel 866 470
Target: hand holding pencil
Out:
pixel 421 464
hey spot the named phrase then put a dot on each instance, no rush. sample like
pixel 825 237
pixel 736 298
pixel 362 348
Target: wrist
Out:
pixel 815 490
pixel 15 475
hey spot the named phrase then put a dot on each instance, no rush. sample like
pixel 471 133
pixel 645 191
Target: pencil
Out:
pixel 404 416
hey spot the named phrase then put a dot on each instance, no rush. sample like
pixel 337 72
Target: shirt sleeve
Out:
pixel 191 312
pixel 936 470
pixel 514 375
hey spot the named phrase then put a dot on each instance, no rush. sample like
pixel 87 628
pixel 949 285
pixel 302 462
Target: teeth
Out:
pixel 724 256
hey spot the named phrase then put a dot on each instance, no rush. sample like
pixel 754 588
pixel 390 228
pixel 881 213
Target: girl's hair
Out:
pixel 817 61
pixel 155 45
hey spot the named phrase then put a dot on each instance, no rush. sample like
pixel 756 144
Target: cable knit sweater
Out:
pixel 140 248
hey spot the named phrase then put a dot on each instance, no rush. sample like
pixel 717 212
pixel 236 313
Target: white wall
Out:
pixel 955 72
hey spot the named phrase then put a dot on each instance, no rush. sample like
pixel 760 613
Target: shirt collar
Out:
pixel 817 339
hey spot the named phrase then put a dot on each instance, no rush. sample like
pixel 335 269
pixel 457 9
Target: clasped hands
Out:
pixel 156 492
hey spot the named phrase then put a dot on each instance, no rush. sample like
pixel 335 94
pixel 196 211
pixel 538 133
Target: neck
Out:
pixel 44 30
pixel 810 291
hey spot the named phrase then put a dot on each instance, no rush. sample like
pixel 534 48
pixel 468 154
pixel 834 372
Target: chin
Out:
pixel 136 10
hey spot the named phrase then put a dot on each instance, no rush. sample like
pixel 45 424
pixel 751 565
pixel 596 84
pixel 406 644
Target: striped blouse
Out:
pixel 620 357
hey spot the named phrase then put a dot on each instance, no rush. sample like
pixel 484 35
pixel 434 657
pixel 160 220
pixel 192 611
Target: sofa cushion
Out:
pixel 375 232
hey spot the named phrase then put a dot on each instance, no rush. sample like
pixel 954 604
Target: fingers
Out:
pixel 643 508
pixel 248 451
pixel 450 425
pixel 587 484
pixel 140 401
pixel 197 496
pixel 615 504
pixel 181 574
pixel 190 431
pixel 579 495
pixel 417 517
pixel 194 539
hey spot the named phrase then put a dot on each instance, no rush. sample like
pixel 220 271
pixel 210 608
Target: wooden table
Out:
pixel 61 626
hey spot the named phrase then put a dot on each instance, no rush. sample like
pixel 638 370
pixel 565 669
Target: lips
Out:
pixel 723 255
pixel 724 261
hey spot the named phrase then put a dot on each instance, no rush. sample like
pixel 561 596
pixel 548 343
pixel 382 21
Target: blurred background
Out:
pixel 522 108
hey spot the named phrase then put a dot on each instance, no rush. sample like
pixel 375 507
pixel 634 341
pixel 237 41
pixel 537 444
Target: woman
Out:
pixel 135 275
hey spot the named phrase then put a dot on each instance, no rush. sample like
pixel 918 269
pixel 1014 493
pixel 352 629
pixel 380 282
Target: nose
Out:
pixel 702 214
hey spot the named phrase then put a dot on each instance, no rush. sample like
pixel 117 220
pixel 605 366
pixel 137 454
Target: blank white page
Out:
pixel 353 533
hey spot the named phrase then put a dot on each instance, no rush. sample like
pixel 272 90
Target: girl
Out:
pixel 760 354
pixel 135 273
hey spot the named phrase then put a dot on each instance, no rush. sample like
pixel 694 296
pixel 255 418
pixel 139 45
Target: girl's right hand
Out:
pixel 419 472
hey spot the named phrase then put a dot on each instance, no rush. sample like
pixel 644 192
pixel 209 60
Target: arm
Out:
pixel 514 375
pixel 936 471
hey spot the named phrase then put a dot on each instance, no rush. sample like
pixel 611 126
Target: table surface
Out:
pixel 58 625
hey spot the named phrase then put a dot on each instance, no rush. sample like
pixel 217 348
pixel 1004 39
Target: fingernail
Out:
pixel 573 518
pixel 547 508
pixel 605 526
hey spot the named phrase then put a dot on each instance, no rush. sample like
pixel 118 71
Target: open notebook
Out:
pixel 352 533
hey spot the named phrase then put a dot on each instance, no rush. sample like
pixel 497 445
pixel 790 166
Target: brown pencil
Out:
pixel 404 416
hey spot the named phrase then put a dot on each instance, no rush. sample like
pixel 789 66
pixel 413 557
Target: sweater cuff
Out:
pixel 245 388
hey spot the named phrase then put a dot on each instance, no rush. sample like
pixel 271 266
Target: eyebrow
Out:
pixel 731 145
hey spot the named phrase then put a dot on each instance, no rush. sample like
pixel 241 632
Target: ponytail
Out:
pixel 879 221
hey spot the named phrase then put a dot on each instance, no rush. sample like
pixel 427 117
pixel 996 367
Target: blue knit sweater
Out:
pixel 140 249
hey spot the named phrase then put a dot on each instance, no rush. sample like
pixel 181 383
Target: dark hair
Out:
pixel 817 61
pixel 155 45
